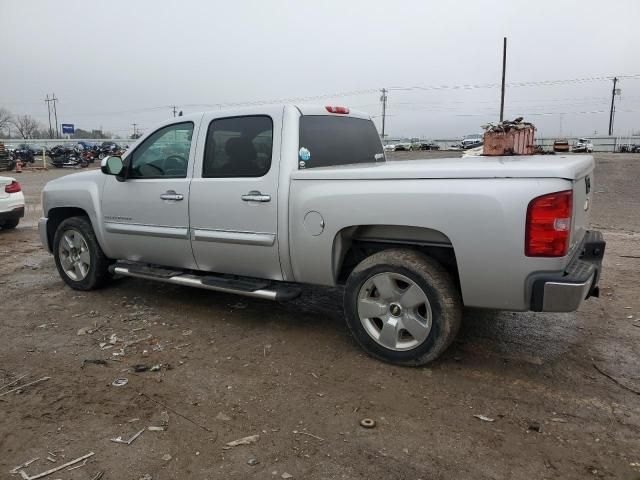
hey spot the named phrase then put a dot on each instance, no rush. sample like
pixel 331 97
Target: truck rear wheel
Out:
pixel 402 307
pixel 80 261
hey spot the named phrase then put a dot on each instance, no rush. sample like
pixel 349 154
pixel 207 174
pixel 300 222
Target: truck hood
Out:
pixel 84 176
pixel 570 167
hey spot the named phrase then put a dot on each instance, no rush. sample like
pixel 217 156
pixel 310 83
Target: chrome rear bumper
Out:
pixel 565 292
pixel 564 296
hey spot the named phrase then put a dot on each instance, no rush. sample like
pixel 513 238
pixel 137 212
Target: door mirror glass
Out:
pixel 112 165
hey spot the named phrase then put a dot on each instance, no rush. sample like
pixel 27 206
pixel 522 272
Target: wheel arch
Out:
pixel 57 215
pixel 353 244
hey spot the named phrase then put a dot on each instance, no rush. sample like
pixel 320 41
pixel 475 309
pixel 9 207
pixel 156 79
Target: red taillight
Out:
pixel 331 109
pixel 549 225
pixel 13 187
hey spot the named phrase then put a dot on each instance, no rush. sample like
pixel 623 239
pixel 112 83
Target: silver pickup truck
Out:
pixel 258 201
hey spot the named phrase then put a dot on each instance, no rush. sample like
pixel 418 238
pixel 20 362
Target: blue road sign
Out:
pixel 68 128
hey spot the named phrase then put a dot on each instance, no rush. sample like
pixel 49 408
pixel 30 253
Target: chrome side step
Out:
pixel 277 292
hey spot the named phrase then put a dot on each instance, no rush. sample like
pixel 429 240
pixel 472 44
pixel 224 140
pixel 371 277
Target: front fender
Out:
pixel 81 191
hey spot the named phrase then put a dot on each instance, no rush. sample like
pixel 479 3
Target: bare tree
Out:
pixel 26 125
pixel 5 118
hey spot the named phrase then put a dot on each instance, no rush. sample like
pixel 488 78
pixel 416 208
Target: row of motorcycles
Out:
pixel 64 156
pixel 79 155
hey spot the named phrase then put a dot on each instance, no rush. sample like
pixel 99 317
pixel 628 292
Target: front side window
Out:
pixel 238 147
pixel 327 140
pixel 164 154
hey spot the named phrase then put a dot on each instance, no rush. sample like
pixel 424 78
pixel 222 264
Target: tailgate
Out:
pixel 582 197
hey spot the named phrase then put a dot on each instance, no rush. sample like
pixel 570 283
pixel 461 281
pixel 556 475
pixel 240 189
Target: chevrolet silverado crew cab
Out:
pixel 259 201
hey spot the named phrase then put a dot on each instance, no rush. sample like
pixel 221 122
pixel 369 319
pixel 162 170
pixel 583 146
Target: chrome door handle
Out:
pixel 256 196
pixel 171 195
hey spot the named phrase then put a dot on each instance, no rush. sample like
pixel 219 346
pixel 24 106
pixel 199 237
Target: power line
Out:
pixel 547 113
pixel 174 108
pixel 538 83
pixel 359 92
pixel 445 107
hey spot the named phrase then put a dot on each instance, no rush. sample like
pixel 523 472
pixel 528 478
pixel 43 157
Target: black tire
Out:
pixel 98 273
pixel 9 224
pixel 436 283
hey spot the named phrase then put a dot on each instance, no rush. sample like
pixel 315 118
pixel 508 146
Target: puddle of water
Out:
pixel 523 336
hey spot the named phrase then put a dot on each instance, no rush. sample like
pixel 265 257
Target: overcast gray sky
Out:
pixel 113 63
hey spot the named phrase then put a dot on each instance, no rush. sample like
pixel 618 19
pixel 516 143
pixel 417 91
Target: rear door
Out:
pixel 233 203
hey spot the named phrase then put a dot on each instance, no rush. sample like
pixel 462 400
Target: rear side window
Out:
pixel 238 147
pixel 327 140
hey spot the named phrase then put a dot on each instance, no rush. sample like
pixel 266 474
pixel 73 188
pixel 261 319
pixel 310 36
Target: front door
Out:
pixel 146 217
pixel 233 201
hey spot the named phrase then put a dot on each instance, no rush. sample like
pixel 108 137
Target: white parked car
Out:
pixel 11 203
pixel 583 145
pixel 472 141
pixel 390 147
pixel 403 147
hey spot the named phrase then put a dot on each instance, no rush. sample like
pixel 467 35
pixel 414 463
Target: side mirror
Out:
pixel 112 165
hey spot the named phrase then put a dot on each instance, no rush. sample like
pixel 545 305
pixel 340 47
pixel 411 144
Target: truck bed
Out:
pixel 570 167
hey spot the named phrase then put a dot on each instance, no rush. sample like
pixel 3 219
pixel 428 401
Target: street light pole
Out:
pixel 383 98
pixel 611 112
pixel 504 69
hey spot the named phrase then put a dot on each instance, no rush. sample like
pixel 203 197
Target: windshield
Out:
pixel 327 140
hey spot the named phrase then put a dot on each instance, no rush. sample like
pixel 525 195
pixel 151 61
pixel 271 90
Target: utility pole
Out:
pixel 55 113
pixel 134 130
pixel 383 99
pixel 175 109
pixel 48 100
pixel 613 108
pixel 504 69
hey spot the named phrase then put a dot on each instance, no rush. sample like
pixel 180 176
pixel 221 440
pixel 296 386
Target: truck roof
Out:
pixel 304 109
pixel 322 110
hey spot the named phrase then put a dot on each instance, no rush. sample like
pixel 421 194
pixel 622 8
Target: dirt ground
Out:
pixel 232 367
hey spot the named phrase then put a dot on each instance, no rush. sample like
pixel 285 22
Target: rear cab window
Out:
pixel 328 140
pixel 238 147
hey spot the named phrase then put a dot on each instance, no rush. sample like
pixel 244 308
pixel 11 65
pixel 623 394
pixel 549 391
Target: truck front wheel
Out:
pixel 80 261
pixel 402 307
